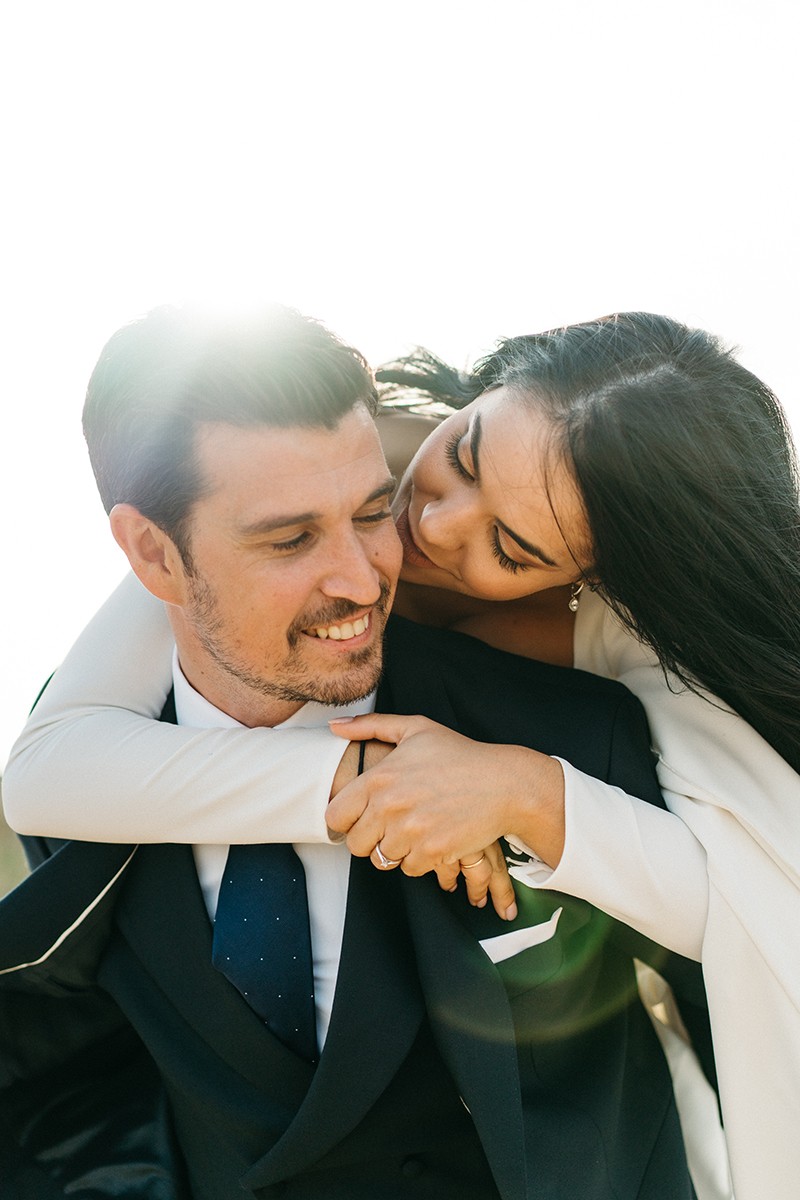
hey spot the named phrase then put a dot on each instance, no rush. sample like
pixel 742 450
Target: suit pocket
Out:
pixel 539 949
pixel 507 945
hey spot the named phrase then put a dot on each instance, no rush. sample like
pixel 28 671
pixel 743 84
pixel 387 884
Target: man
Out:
pixel 245 482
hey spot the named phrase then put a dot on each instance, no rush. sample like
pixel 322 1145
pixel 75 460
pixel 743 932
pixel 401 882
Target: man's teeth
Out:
pixel 342 633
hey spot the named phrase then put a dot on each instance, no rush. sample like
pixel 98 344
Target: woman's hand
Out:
pixel 438 795
pixel 485 874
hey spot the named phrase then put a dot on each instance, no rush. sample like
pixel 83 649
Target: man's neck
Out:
pixel 193 708
pixel 249 708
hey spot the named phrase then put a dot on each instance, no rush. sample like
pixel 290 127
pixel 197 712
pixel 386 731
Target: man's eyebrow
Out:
pixel 287 520
pixel 526 546
pixel 385 489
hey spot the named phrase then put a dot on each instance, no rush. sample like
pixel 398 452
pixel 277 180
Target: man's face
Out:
pixel 294 565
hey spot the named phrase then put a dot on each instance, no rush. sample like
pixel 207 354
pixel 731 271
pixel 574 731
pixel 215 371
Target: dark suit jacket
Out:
pixel 134 1069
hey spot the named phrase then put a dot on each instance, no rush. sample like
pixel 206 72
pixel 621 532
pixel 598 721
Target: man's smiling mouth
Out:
pixel 341 633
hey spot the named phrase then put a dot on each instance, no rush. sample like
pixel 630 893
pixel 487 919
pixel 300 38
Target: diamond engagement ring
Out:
pixel 386 864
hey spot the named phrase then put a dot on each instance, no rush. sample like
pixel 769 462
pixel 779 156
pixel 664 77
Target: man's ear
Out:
pixel 153 555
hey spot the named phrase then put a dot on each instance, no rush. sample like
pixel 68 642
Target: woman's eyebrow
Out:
pixel 528 547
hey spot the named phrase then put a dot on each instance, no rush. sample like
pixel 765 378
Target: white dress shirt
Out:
pixel 326 866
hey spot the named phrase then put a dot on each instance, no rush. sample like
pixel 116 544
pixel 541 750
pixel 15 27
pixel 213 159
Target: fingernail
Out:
pixel 454 888
pixel 340 720
pixel 336 838
pixel 481 903
pixel 511 912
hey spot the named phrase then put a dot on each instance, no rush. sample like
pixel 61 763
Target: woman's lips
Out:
pixel 411 551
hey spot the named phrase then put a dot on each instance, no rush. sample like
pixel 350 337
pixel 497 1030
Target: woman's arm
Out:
pixel 734 792
pixel 707 755
pixel 93 764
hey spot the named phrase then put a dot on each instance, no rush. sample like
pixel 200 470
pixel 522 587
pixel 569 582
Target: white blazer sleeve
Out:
pixel 634 861
pixel 92 763
pixel 741 801
pixel 731 825
pixel 728 785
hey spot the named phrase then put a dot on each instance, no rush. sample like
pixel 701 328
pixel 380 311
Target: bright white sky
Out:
pixel 443 172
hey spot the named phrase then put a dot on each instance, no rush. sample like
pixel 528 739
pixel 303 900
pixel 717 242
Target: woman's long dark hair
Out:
pixel 688 475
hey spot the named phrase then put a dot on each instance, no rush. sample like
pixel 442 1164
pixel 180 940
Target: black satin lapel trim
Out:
pixel 377 1012
pixel 57 897
pixel 473 1025
pixel 163 917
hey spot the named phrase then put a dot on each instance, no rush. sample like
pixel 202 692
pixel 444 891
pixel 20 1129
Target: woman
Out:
pixel 636 456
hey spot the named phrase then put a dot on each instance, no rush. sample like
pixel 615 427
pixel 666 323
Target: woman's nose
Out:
pixel 445 520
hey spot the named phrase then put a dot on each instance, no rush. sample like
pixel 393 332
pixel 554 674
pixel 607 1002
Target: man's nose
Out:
pixel 351 573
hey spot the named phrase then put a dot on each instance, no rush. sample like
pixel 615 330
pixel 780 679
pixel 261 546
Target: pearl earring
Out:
pixel 575 596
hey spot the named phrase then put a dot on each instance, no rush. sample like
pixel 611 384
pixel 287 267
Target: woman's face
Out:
pixel 487 506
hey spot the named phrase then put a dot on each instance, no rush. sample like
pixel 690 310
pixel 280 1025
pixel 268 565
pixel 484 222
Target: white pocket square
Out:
pixel 506 945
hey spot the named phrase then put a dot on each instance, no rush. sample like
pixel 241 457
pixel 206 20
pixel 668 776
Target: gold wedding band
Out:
pixel 386 864
pixel 469 866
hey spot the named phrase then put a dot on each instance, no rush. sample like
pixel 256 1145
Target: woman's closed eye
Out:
pixel 507 563
pixel 451 450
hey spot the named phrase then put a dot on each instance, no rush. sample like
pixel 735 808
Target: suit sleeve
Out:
pixel 93 764
pixel 82 1107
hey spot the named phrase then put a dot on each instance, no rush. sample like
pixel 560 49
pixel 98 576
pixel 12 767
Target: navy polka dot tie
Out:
pixel 262 940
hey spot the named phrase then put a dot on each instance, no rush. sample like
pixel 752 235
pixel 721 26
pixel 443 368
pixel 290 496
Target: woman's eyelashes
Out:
pixel 451 454
pixel 451 450
pixel 508 564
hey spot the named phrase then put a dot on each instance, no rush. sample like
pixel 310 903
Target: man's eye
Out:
pixel 451 454
pixel 292 544
pixel 375 518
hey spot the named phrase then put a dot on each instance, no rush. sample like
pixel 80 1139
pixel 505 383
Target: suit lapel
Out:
pixel 465 995
pixel 473 1025
pixel 163 918
pixel 377 1012
pixel 70 891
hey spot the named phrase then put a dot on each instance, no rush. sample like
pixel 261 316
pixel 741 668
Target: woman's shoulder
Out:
pixel 603 645
pixel 707 753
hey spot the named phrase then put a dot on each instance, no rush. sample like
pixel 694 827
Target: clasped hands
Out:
pixel 432 800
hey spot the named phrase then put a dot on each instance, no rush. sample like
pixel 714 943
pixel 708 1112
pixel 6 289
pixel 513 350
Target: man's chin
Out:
pixel 341 699
pixel 358 684
pixel 348 684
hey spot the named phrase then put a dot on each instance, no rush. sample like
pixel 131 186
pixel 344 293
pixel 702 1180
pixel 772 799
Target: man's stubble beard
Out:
pixel 297 683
